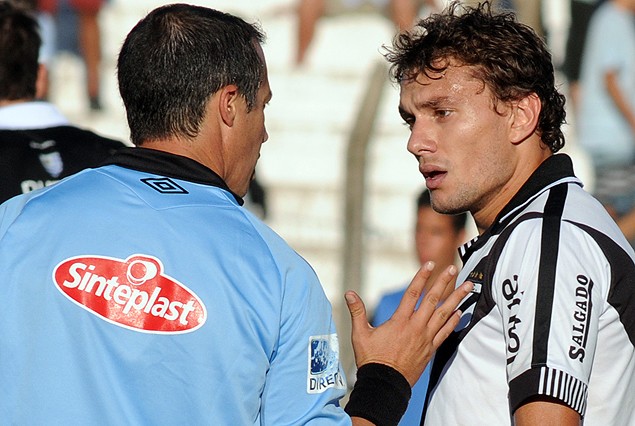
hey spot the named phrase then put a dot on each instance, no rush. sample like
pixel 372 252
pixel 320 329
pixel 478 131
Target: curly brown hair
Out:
pixel 508 57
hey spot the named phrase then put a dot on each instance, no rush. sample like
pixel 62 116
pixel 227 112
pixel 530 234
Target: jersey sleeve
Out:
pixel 305 381
pixel 549 294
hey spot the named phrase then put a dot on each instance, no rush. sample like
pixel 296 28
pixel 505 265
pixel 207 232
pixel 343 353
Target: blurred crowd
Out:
pixel 593 45
pixel 593 48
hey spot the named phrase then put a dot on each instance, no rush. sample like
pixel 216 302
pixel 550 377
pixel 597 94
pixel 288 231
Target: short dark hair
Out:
pixel 458 220
pixel 175 59
pixel 19 50
pixel 509 57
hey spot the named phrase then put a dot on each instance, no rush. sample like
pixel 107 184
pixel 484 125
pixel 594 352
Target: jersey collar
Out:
pixel 31 115
pixel 553 171
pixel 169 165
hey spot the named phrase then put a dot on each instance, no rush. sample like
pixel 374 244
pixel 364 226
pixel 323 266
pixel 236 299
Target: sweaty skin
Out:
pixel 458 135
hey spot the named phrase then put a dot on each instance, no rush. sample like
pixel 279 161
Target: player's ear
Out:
pixel 228 98
pixel 524 117
pixel 41 82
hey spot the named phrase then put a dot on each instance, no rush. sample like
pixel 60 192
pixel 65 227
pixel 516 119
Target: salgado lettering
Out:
pixel 581 312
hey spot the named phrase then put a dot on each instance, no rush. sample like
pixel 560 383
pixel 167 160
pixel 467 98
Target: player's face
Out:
pixel 245 149
pixel 461 142
pixel 436 238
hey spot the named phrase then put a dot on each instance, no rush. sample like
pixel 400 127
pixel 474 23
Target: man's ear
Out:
pixel 41 82
pixel 524 118
pixel 228 103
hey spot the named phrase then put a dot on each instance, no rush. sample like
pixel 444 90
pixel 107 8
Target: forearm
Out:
pixel 620 101
pixel 380 395
pixel 546 413
pixel 358 421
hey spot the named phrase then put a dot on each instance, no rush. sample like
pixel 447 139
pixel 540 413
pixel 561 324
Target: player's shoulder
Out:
pixel 68 139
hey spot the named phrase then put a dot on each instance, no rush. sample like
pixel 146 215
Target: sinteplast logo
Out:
pixel 133 293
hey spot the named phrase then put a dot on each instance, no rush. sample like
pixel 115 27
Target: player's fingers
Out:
pixel 435 293
pixel 445 313
pixel 413 292
pixel 446 330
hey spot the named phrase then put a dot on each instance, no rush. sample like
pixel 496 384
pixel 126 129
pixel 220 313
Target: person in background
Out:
pixel 142 292
pixel 403 14
pixel 437 238
pixel 38 145
pixel 548 334
pixel 606 120
pixel 581 12
pixel 77 31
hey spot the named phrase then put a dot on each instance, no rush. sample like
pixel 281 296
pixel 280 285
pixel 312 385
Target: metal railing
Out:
pixel 353 250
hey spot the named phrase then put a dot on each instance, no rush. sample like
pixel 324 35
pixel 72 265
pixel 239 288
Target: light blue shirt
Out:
pixel 602 130
pixel 136 299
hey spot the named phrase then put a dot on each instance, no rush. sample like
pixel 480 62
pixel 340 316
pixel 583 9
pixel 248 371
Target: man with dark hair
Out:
pixel 141 292
pixel 38 146
pixel 548 335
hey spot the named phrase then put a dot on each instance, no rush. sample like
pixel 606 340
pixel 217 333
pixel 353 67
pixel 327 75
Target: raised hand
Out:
pixel 407 341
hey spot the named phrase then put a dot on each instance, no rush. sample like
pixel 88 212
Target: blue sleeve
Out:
pixel 305 367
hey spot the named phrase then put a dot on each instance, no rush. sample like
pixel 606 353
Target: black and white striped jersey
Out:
pixel 552 312
pixel 38 147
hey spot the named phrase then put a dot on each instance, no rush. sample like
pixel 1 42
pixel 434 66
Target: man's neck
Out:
pixel 7 102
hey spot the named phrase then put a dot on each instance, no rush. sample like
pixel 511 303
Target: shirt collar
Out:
pixel 31 115
pixel 169 165
pixel 553 171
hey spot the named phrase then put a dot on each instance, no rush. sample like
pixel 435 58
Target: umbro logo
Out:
pixel 164 185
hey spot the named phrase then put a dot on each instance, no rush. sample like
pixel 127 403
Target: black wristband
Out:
pixel 380 395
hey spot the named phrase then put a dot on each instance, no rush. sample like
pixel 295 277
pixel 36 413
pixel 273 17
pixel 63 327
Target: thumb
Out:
pixel 357 310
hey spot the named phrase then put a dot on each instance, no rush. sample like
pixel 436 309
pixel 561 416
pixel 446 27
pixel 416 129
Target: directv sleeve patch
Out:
pixel 324 362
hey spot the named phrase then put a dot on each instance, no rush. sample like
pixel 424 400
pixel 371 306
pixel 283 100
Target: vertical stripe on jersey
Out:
pixel 547 274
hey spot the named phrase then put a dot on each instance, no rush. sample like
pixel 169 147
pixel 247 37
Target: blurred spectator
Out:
pixel 256 198
pixel 499 4
pixel 581 11
pixel 77 31
pixel 437 238
pixel 47 34
pixel 606 121
pixel 403 14
pixel 38 146
pixel 527 11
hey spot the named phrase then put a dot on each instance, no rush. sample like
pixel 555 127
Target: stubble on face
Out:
pixel 253 133
pixel 459 138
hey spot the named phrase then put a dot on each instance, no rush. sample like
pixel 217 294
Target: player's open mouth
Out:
pixel 433 177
